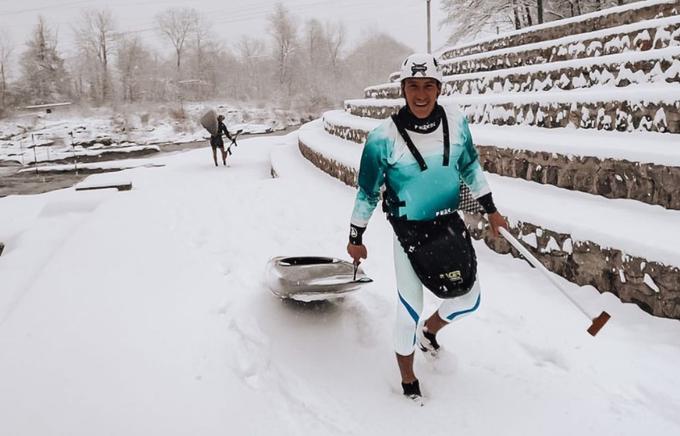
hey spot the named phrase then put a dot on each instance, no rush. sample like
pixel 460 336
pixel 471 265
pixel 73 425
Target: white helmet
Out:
pixel 421 65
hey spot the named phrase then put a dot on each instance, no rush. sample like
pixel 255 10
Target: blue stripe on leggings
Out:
pixel 455 314
pixel 409 309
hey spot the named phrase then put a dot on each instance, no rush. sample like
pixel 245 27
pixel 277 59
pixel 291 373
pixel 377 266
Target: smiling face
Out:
pixel 421 95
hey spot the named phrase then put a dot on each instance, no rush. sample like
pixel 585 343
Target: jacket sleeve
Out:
pixel 371 177
pixel 469 166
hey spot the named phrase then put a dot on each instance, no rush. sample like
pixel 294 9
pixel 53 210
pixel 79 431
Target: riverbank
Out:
pixel 13 181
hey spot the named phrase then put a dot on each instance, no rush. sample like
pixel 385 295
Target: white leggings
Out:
pixel 410 304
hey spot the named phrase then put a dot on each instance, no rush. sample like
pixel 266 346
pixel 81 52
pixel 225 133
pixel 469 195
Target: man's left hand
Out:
pixel 496 220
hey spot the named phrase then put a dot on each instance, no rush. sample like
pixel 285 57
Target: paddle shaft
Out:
pixel 597 321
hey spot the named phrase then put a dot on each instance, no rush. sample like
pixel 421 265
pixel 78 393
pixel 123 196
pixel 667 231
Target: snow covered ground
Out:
pixel 144 312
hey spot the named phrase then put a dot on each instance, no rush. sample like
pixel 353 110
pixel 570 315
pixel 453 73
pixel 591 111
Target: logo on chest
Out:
pixel 425 127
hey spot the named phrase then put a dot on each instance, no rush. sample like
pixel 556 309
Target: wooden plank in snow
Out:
pixel 120 187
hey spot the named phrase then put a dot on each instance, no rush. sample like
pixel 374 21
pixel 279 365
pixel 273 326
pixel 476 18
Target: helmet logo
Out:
pixel 419 68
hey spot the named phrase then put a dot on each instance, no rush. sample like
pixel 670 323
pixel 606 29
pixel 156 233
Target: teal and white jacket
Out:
pixel 387 164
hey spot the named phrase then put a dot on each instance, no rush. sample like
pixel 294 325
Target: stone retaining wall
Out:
pixel 611 178
pixel 560 30
pixel 330 166
pixel 654 37
pixel 653 286
pixel 612 115
pixel 349 133
pixel 617 74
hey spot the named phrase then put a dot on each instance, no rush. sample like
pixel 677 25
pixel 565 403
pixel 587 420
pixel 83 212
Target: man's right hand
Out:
pixel 357 252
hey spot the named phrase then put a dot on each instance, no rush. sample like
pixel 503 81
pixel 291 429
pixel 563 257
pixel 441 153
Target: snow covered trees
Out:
pixel 131 60
pixel 469 18
pixel 5 54
pixel 43 76
pixel 305 64
pixel 94 37
pixel 285 41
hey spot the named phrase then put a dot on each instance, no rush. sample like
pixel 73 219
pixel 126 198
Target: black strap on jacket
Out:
pixel 445 128
pixel 412 147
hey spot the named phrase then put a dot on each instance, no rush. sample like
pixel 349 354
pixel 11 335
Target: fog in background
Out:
pixel 164 51
pixel 306 55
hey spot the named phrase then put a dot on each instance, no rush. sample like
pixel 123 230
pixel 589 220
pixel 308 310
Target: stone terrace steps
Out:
pixel 586 238
pixel 641 36
pixel 643 167
pixel 657 148
pixel 619 70
pixel 608 18
pixel 579 134
pixel 632 108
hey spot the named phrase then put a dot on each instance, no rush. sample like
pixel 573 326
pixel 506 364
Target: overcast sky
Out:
pixel 405 20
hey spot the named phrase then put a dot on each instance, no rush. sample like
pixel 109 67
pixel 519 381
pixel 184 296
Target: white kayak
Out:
pixel 313 278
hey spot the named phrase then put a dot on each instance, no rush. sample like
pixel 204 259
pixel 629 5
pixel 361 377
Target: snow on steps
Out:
pixel 587 239
pixel 653 108
pixel 619 70
pixel 640 36
pixel 639 166
pixel 607 18
pixel 656 148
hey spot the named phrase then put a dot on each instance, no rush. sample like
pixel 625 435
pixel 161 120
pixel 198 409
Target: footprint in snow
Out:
pixel 225 266
pixel 250 352
pixel 224 308
pixel 364 323
pixel 445 362
pixel 295 399
pixel 545 357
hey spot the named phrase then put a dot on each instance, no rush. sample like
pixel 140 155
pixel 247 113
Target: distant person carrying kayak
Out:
pixel 217 142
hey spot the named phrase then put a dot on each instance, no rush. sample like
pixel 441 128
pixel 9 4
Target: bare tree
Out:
pixel 131 60
pixel 178 25
pixel 250 48
pixel 201 35
pixel 321 48
pixel 252 56
pixel 94 36
pixel 313 39
pixel 334 34
pixel 6 49
pixel 527 10
pixel 558 9
pixel 469 18
pixel 373 60
pixel 283 32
